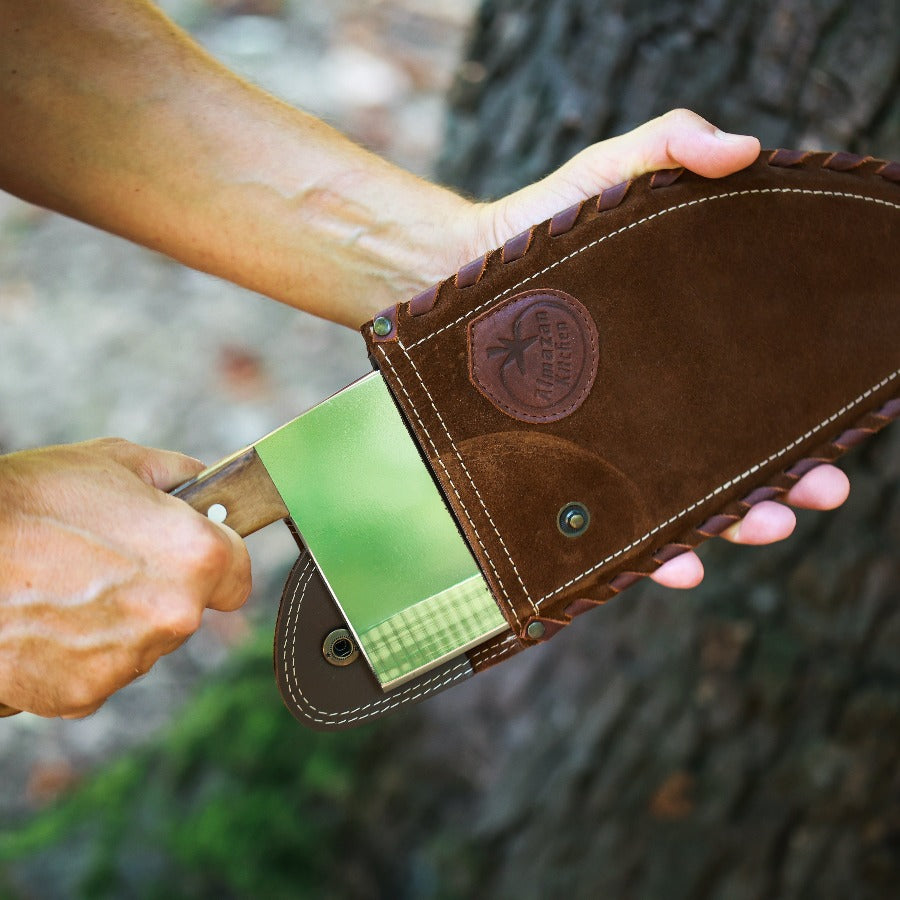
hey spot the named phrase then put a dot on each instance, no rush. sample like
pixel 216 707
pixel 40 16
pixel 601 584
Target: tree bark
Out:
pixel 542 79
pixel 742 740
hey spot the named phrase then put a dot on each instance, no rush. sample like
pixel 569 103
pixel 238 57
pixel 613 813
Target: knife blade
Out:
pixel 352 482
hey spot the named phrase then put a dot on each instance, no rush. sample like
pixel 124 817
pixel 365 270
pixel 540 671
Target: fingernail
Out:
pixel 729 138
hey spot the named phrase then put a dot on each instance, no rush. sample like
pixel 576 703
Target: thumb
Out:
pixel 161 469
pixel 679 138
pixel 682 138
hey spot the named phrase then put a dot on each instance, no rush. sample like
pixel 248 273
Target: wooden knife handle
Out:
pixel 237 491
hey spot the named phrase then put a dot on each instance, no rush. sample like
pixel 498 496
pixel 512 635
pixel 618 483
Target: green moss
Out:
pixel 237 799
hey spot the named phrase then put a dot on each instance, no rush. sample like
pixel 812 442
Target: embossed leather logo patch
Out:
pixel 534 356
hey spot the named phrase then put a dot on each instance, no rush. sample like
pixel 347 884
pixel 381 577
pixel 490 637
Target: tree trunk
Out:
pixel 742 740
pixel 543 79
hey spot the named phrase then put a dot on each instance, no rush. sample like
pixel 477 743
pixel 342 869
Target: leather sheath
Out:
pixel 657 360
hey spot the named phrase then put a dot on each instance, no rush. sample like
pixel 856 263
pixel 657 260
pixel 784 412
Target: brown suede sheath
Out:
pixel 327 697
pixel 665 356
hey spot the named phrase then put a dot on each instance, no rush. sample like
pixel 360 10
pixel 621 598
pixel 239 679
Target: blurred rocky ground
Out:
pixel 99 337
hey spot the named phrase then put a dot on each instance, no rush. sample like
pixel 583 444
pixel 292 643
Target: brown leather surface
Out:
pixel 327 697
pixel 745 326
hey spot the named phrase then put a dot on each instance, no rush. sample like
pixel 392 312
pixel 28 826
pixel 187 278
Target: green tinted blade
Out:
pixel 411 641
pixel 369 512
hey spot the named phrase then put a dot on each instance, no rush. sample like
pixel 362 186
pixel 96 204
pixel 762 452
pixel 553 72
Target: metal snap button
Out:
pixel 382 326
pixel 573 519
pixel 339 648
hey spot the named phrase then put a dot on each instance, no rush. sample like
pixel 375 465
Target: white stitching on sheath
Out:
pixel 308 709
pixel 728 484
pixel 418 375
pixel 438 457
pixel 656 215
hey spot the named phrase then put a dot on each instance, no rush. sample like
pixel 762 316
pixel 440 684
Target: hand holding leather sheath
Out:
pixel 618 384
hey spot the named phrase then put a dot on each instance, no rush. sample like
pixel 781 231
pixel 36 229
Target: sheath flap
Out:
pixel 325 696
pixel 655 359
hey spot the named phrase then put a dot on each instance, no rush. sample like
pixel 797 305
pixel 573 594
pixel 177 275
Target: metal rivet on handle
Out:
pixel 536 630
pixel 382 326
pixel 573 519
pixel 339 648
pixel 217 513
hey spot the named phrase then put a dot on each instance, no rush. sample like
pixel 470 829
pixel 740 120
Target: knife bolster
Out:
pixel 242 486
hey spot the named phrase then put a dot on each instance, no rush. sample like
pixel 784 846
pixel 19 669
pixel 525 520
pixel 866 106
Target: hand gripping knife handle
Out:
pixel 566 413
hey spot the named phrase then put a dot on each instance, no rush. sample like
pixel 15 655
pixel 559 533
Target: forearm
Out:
pixel 115 117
